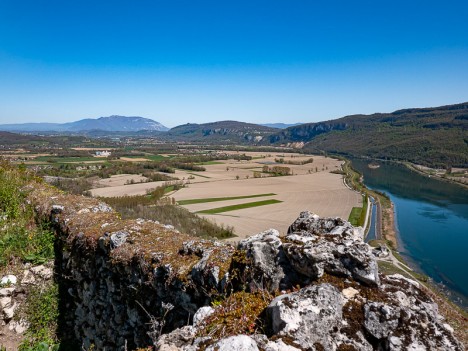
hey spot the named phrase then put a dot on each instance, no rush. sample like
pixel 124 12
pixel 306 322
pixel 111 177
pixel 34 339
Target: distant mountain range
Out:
pixel 223 131
pixel 108 124
pixel 434 136
pixel 280 125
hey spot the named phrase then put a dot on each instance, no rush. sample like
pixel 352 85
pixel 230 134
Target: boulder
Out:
pixel 270 267
pixel 310 223
pixel 178 339
pixel 307 316
pixel 337 249
pixel 381 320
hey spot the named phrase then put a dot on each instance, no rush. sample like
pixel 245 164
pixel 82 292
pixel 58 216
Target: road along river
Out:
pixel 431 220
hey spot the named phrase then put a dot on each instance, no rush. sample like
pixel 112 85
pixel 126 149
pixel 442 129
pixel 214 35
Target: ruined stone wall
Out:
pixel 118 277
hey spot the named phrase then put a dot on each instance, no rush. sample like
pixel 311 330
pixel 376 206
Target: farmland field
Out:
pixel 312 187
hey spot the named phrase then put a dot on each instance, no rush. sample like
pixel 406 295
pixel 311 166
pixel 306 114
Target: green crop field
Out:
pixel 240 206
pixel 198 175
pixel 355 215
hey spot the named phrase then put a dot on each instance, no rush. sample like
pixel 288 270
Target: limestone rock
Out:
pixel 381 320
pixel 201 314
pixel 270 267
pixel 9 311
pixel 307 316
pixel 6 292
pixel 235 343
pixel 279 345
pixel 311 223
pixel 28 278
pixel 350 293
pixel 102 207
pixel 178 339
pixel 57 209
pixel 337 249
pixel 42 271
pixel 5 302
pixel 19 327
pixel 8 279
pixel 118 238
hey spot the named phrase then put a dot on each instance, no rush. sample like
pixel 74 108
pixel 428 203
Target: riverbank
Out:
pixel 385 228
pixel 431 172
pixel 455 315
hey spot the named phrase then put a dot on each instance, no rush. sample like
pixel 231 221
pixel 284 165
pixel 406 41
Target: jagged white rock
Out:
pixel 308 315
pixel 234 343
pixel 201 314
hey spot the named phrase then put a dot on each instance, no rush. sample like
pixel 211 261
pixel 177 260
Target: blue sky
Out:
pixel 254 61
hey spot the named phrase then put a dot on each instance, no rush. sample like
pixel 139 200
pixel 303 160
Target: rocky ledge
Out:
pixel 329 296
pixel 128 284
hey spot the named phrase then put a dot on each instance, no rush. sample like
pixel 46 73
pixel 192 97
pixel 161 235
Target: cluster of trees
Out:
pixel 293 162
pixel 276 170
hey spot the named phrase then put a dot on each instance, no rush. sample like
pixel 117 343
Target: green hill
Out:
pixel 220 132
pixel 429 136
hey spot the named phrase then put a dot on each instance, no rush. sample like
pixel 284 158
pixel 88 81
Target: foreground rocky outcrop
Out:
pixel 136 283
pixel 333 297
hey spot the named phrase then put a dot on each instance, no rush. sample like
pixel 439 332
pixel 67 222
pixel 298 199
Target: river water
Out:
pixel 432 220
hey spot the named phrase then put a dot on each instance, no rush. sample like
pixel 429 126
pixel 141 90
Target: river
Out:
pixel 432 222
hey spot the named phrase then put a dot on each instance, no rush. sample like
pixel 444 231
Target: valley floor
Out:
pixel 312 188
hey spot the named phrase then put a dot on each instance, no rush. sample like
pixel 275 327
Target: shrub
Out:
pixel 41 311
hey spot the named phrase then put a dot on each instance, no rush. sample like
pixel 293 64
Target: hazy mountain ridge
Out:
pixel 280 125
pixel 110 124
pixel 228 131
pixel 433 136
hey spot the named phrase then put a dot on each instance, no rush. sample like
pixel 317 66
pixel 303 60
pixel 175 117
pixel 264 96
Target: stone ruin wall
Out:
pixel 114 275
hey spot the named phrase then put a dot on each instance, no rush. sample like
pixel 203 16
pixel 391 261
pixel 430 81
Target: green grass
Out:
pixel 23 240
pixel 20 238
pixel 376 243
pixel 170 188
pixel 41 311
pixel 156 157
pixel 215 199
pixel 240 206
pixel 389 268
pixel 53 159
pixel 210 163
pixel 198 175
pixel 355 215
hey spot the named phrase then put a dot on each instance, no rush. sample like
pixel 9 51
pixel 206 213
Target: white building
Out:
pixel 103 153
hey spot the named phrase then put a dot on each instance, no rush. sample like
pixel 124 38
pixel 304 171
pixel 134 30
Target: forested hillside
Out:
pixel 429 136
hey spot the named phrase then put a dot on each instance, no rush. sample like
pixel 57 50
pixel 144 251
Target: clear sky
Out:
pixel 254 61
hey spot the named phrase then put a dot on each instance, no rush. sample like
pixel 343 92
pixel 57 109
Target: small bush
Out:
pixel 20 237
pixel 41 311
pixel 238 314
